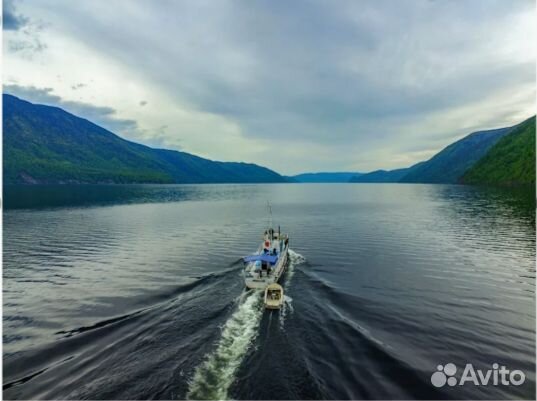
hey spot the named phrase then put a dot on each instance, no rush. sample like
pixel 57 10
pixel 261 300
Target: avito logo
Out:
pixel 497 376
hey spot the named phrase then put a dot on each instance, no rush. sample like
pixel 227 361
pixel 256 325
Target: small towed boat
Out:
pixel 274 296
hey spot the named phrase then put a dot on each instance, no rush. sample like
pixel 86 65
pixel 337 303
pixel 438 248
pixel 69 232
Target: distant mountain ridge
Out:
pixel 448 165
pixel 452 164
pixel 380 176
pixel 324 177
pixel 44 144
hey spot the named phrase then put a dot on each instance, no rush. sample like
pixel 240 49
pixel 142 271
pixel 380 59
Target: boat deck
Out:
pixel 268 264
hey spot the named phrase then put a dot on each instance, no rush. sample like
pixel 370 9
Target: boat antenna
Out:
pixel 269 208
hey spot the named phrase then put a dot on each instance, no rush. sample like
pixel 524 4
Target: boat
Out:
pixel 274 296
pixel 267 265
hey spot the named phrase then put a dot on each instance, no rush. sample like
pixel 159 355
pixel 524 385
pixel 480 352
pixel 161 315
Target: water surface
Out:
pixel 135 292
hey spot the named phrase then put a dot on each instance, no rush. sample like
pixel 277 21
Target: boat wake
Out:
pixel 295 259
pixel 287 308
pixel 212 379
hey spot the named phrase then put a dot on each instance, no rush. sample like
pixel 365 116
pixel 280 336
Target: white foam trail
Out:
pixel 213 377
pixel 287 307
pixel 294 260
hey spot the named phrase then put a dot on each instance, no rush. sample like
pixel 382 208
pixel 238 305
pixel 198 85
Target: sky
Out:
pixel 295 86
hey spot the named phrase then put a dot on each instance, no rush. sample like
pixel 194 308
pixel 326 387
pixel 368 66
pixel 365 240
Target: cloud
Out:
pixel 12 21
pixel 353 86
pixel 159 138
pixel 78 86
pixel 27 46
pixel 103 116
pixel 23 34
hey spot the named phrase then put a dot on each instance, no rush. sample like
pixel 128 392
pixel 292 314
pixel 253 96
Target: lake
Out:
pixel 135 292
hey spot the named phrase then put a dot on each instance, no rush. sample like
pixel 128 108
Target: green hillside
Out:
pixel 445 167
pixel 44 144
pixel 510 162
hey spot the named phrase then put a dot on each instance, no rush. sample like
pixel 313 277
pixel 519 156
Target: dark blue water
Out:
pixel 135 292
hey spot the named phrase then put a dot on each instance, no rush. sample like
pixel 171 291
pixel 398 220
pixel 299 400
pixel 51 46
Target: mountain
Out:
pixel 44 144
pixel 448 165
pixel 324 177
pixel 381 176
pixel 510 161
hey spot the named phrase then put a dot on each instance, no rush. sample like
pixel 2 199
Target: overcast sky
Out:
pixel 295 86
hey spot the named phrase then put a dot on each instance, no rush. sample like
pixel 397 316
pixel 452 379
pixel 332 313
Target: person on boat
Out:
pixel 257 268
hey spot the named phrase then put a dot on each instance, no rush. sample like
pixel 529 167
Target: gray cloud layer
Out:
pixel 10 18
pixel 103 116
pixel 346 75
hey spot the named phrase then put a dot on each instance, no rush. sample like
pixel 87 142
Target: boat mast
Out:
pixel 269 208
